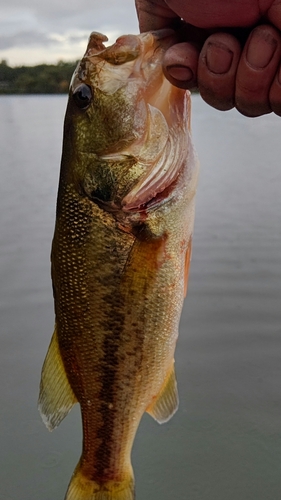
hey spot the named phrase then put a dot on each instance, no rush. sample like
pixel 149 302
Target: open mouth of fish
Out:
pixel 163 145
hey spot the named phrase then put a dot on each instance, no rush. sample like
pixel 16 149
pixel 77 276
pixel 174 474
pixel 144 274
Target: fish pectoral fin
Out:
pixel 166 403
pixel 56 397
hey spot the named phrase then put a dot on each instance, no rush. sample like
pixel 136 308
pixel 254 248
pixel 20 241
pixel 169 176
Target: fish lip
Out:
pixel 161 34
pixel 164 37
pixel 162 196
pixel 125 49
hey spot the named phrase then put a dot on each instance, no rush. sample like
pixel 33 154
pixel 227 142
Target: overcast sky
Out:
pixel 36 31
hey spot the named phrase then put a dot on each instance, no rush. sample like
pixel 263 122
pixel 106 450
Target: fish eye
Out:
pixel 82 96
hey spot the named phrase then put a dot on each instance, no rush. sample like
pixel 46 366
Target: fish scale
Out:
pixel 120 256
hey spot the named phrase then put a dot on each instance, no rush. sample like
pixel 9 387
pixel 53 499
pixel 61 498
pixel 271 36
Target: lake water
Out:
pixel 224 443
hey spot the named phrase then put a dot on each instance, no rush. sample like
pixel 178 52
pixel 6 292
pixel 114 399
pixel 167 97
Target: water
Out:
pixel 225 440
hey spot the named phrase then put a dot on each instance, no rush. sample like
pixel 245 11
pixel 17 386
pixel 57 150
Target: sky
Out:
pixel 46 31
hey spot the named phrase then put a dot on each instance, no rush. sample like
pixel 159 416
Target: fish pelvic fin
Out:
pixel 166 403
pixel 83 488
pixel 56 397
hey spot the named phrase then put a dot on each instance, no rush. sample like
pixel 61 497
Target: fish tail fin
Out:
pixel 83 488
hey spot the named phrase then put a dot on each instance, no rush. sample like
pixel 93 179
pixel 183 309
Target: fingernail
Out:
pixel 261 49
pixel 182 73
pixel 218 58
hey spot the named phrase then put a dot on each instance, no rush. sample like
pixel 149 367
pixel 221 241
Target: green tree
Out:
pixel 40 79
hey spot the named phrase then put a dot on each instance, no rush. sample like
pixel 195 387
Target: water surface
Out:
pixel 225 440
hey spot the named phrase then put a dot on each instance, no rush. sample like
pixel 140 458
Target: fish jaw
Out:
pixel 159 184
pixel 135 58
pixel 147 119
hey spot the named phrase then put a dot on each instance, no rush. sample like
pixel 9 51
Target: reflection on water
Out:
pixel 225 441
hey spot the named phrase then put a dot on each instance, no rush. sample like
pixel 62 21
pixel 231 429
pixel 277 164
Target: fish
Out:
pixel 120 255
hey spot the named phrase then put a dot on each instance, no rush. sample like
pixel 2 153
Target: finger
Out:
pixel 274 14
pixel 257 68
pixel 180 65
pixel 154 15
pixel 275 93
pixel 212 14
pixel 217 66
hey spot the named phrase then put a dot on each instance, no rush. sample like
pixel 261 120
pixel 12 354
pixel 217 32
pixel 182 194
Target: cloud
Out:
pixel 53 30
pixel 26 39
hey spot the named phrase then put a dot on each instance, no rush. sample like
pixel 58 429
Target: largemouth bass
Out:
pixel 120 256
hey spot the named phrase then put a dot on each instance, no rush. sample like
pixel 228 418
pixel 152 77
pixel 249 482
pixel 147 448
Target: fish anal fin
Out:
pixel 56 397
pixel 187 265
pixel 166 402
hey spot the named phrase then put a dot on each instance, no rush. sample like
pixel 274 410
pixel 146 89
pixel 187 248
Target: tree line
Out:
pixel 40 79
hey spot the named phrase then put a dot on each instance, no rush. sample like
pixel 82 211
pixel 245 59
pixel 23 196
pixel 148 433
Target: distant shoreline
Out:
pixel 40 79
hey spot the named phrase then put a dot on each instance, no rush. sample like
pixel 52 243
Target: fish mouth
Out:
pixel 162 146
pixel 170 126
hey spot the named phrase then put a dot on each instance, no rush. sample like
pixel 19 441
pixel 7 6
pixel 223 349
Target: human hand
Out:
pixel 223 50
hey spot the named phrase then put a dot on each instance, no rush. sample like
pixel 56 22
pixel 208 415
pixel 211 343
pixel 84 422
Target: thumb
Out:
pixel 154 15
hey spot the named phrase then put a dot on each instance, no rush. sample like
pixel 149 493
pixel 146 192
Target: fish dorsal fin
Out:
pixel 56 397
pixel 167 401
